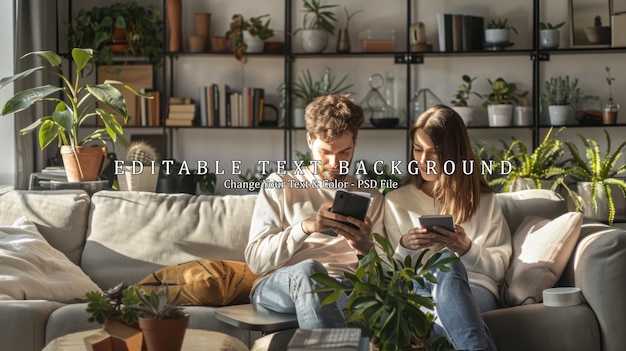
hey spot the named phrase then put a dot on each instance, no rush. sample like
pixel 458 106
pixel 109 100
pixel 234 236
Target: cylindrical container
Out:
pixel 174 22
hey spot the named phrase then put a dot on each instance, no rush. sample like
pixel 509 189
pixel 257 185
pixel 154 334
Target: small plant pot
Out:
pixel 497 36
pixel 254 43
pixel 314 40
pixel 466 113
pixel 609 113
pixel 219 44
pixel 550 38
pixel 83 163
pixel 135 180
pixel 298 117
pixel 197 43
pixel 500 115
pixel 559 114
pixel 164 334
pixel 523 116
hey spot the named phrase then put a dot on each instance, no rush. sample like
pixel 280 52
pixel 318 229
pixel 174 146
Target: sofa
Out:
pixel 125 236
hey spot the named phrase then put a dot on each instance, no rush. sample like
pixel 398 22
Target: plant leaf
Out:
pixel 25 98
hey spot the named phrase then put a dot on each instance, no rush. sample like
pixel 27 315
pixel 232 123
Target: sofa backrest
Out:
pixel 532 202
pixel 132 234
pixel 60 215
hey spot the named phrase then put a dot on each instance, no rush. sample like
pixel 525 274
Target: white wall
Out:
pixel 7 133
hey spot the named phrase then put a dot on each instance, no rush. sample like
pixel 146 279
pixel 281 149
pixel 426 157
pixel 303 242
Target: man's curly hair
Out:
pixel 329 116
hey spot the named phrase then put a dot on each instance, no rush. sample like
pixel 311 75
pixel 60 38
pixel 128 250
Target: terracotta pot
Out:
pixel 197 43
pixel 164 334
pixel 219 44
pixel 202 21
pixel 174 22
pixel 83 163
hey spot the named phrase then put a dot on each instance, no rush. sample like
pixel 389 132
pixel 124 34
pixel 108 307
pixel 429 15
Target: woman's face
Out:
pixel 425 153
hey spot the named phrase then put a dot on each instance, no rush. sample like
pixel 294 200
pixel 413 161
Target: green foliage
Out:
pixel 75 106
pixel 254 26
pixel 93 28
pixel 153 305
pixel 561 90
pixel 382 294
pixel 600 170
pixel 306 89
pixel 101 305
pixel 465 91
pixel 609 81
pixel 500 24
pixel 548 25
pixel 349 15
pixel 317 16
pixel 501 92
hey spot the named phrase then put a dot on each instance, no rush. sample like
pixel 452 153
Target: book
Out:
pixel 178 122
pixel 181 115
pixel 182 107
pixel 336 339
pixel 457 32
pixel 204 106
pixel 444 28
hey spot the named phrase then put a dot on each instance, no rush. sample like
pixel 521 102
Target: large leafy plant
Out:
pixel 382 295
pixel 599 170
pixel 75 105
pixel 465 92
pixel 317 16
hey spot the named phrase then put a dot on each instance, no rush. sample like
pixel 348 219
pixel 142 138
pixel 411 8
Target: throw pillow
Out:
pixel 541 250
pixel 205 282
pixel 31 269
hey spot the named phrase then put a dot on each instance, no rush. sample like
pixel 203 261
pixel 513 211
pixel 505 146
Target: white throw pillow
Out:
pixel 541 250
pixel 31 269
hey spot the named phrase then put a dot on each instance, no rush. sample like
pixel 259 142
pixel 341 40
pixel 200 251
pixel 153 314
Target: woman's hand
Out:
pixel 420 238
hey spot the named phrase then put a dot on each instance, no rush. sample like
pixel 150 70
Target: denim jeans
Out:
pixel 288 290
pixel 458 315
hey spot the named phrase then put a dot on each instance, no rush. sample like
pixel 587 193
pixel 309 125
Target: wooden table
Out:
pixel 195 340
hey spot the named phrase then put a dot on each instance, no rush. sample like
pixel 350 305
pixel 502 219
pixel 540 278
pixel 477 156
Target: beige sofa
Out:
pixel 124 236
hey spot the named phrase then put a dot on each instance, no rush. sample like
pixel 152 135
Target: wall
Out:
pixel 7 133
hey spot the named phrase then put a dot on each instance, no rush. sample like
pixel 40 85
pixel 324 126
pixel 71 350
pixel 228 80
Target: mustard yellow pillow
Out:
pixel 205 282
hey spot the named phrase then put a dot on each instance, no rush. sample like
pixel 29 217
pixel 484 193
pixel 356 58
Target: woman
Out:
pixel 443 182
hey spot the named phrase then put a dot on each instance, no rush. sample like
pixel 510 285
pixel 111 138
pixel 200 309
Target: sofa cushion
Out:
pixel 531 202
pixel 132 234
pixel 541 249
pixel 205 282
pixel 60 216
pixel 31 269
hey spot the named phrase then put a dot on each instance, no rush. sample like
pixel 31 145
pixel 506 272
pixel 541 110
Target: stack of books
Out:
pixel 182 112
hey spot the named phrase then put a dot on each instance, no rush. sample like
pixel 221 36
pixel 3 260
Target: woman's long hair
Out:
pixel 456 193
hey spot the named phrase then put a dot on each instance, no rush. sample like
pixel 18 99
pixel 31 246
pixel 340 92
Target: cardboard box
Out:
pixel 618 31
pixel 378 45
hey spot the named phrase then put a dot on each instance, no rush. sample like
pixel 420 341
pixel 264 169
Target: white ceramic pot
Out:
pixel 523 116
pixel 559 114
pixel 500 115
pixel 549 38
pixel 601 213
pixel 298 117
pixel 528 183
pixel 136 179
pixel 497 36
pixel 314 40
pixel 466 113
pixel 254 43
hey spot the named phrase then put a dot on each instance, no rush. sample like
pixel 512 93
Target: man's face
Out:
pixel 330 153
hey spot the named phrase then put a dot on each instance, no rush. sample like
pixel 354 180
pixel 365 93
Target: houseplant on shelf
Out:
pixel 141 169
pixel 119 28
pixel 248 36
pixel 561 94
pixel 498 31
pixel 381 294
pixel 343 38
pixel 461 98
pixel 499 102
pixel 550 37
pixel 609 114
pixel 75 106
pixel 318 23
pixel 596 176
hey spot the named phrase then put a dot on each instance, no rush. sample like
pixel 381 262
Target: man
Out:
pixel 287 242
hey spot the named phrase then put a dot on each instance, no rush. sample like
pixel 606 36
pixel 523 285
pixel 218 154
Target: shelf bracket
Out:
pixel 541 56
pixel 408 58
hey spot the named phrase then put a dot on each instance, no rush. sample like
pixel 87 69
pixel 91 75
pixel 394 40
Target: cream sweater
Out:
pixel 276 236
pixel 488 257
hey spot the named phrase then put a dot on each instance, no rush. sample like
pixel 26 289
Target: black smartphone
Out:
pixel 429 221
pixel 350 204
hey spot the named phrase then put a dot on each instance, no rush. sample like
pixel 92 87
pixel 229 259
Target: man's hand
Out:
pixel 324 219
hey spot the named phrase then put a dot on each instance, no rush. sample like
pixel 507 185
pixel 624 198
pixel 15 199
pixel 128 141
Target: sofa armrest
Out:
pixel 538 327
pixel 600 272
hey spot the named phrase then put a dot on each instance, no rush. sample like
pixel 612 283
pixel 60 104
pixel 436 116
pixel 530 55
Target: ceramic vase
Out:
pixel 314 40
pixel 559 114
pixel 500 115
pixel 343 41
pixel 550 38
pixel 174 22
pixel 254 43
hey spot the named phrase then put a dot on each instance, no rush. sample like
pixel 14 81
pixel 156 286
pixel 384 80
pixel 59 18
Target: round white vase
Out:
pixel 559 114
pixel 314 40
pixel 497 36
pixel 254 43
pixel 549 38
pixel 500 115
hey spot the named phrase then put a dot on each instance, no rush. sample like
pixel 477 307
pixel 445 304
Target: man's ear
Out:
pixel 309 141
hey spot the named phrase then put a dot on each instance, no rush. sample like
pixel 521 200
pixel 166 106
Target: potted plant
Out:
pixel 499 102
pixel 343 38
pixel 248 36
pixel 598 34
pixel 498 31
pixel 161 320
pixel 561 95
pixel 596 176
pixel 141 169
pixel 107 306
pixel 381 294
pixel 305 89
pixel 523 115
pixel 550 37
pixel 318 23
pixel 609 114
pixel 119 28
pixel 462 96
pixel 75 106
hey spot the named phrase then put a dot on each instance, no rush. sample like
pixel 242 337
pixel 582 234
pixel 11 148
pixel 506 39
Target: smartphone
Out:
pixel 429 221
pixel 350 204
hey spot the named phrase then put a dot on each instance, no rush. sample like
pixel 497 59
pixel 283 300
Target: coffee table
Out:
pixel 195 340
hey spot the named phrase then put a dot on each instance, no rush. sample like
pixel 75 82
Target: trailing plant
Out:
pixel 317 16
pixel 254 26
pixel 501 92
pixel 599 170
pixel 93 28
pixel 75 106
pixel 381 293
pixel 560 90
pixel 465 91
pixel 500 24
pixel 548 25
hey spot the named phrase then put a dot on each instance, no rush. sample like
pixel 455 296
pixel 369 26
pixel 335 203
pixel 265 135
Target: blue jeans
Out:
pixel 458 314
pixel 288 290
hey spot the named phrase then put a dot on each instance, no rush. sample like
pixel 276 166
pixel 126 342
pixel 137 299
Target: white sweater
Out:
pixel 276 237
pixel 488 257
